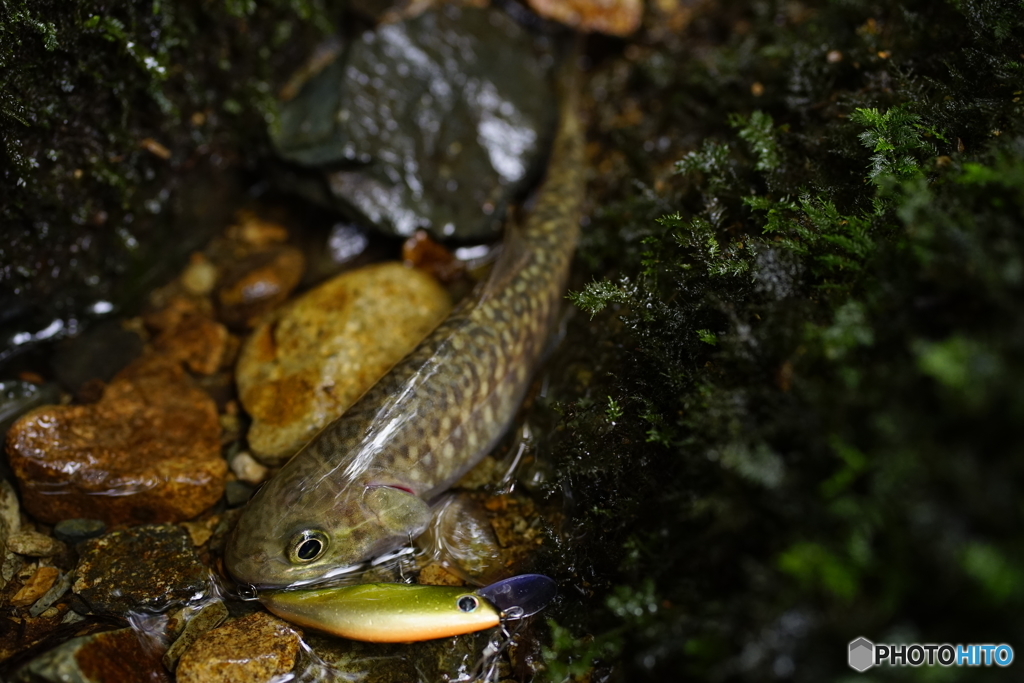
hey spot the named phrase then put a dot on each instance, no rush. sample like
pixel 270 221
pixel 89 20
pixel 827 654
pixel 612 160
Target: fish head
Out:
pixel 290 534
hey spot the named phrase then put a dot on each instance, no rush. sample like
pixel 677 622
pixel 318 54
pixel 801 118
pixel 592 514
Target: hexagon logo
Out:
pixel 862 654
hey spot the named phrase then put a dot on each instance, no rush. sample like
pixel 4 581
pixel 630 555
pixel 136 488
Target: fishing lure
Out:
pixel 403 613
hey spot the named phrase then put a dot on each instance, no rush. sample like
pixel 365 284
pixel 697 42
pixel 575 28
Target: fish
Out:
pixel 405 613
pixel 363 486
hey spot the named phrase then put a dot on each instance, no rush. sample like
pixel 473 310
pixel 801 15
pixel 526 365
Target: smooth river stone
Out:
pixel 252 649
pixel 308 362
pixel 148 451
pixel 614 17
pixel 432 122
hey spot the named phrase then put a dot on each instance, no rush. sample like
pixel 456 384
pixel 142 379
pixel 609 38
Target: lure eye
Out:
pixel 467 603
pixel 307 546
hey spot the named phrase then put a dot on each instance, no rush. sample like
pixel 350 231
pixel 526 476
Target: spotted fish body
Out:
pixel 362 486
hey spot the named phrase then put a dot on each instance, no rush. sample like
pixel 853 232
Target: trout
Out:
pixel 363 486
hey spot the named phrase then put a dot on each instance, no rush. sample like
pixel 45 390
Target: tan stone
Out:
pixel 252 649
pixel 614 17
pixel 309 361
pixel 196 341
pixel 35 587
pixel 148 451
pixel 257 283
pixel 34 544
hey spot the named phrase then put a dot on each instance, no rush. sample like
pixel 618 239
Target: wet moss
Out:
pixel 809 329
pixel 106 110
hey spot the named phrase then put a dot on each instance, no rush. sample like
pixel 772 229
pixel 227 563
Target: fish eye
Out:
pixel 468 603
pixel 307 546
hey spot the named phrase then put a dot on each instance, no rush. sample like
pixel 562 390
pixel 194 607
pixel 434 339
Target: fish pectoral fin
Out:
pixel 399 511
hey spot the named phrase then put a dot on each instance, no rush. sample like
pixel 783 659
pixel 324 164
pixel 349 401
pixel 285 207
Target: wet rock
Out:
pixel 10 523
pixel 142 568
pixel 196 341
pixel 149 451
pixel 251 229
pixel 419 251
pixel 253 648
pixel 36 587
pixel 258 283
pixel 433 660
pixel 110 657
pixel 17 398
pixel 18 633
pixel 462 541
pixel 74 531
pixel 433 122
pixel 247 469
pixel 208 617
pixel 304 365
pixel 34 544
pixel 43 606
pixel 98 354
pixel 614 17
pixel 237 493
pixel 200 277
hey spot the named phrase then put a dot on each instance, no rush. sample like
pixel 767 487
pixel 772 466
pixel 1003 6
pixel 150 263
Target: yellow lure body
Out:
pixel 385 612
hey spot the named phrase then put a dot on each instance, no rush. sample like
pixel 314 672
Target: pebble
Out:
pixel 247 469
pixel 308 362
pixel 197 341
pixel 210 616
pixel 34 544
pixel 200 277
pixel 251 286
pixel 42 607
pixel 149 451
pixel 109 657
pixel 36 587
pixel 142 568
pixel 74 531
pixel 614 17
pixel 10 522
pixel 254 648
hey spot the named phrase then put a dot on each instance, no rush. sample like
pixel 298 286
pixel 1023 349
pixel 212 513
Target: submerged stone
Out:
pixel 433 660
pixel 142 568
pixel 34 544
pixel 148 451
pixel 614 17
pixel 109 657
pixel 258 283
pixel 256 647
pixel 17 398
pixel 74 531
pixel 308 362
pixel 434 122
pixel 35 587
pixel 208 617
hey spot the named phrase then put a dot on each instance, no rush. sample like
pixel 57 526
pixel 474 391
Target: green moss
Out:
pixel 844 459
pixel 85 90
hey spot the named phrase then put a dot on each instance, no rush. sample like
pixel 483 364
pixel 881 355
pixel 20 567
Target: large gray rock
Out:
pixel 434 122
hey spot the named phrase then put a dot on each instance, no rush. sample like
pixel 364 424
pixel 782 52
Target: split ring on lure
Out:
pixel 404 613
